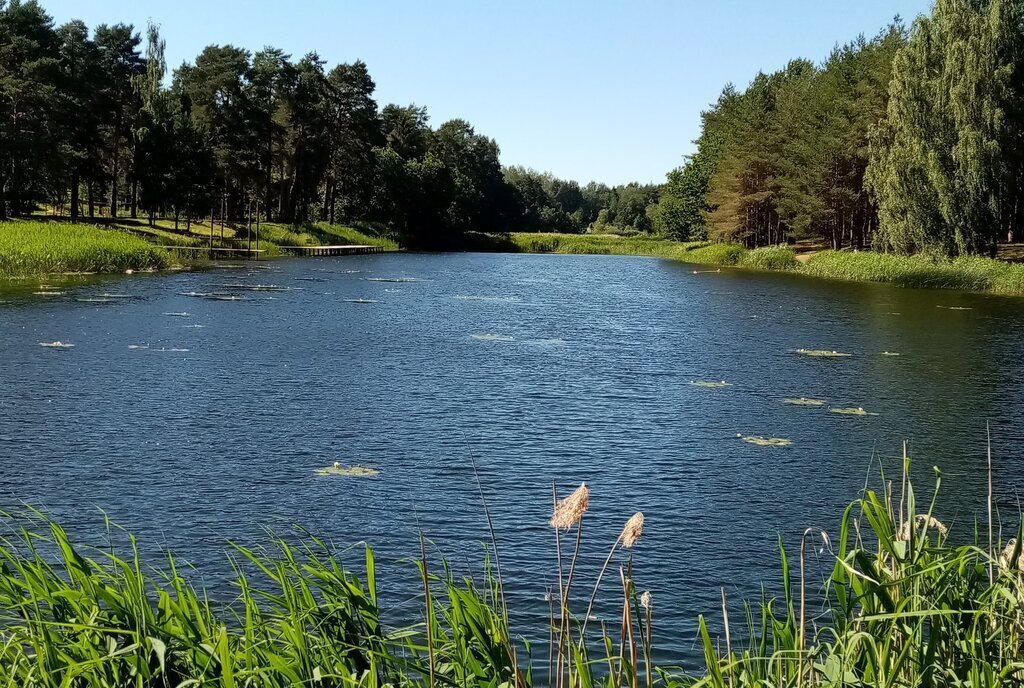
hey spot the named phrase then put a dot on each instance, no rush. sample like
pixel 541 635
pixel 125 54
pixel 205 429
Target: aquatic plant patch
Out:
pixel 348 471
pixel 767 441
pixel 803 401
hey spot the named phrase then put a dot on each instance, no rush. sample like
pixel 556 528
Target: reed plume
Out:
pixel 569 511
pixel 631 532
pixel 925 521
pixel 1007 557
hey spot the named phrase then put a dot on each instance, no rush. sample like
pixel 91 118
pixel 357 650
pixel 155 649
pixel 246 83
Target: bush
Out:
pixel 714 254
pixel 770 258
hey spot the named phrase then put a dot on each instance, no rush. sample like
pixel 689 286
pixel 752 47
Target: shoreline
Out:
pixel 967 273
pixel 34 248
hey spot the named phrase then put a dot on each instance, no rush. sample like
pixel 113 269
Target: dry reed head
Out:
pixel 645 600
pixel 1007 555
pixel 633 530
pixel 569 511
pixel 922 520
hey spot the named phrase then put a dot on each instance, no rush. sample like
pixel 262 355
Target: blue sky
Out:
pixel 598 90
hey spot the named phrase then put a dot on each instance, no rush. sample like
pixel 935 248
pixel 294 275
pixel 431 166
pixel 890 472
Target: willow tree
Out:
pixel 942 161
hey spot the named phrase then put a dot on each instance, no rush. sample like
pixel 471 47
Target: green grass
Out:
pixel 37 247
pixel 605 244
pixel 34 248
pixel 769 258
pixel 900 603
pixel 973 273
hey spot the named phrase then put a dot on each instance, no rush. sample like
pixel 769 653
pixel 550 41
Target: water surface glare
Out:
pixel 191 420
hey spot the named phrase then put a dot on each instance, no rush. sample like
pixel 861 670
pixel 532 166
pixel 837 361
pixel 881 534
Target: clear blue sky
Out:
pixel 604 90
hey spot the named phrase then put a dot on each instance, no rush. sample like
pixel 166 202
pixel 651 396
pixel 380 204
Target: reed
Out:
pixel 906 605
pixel 30 248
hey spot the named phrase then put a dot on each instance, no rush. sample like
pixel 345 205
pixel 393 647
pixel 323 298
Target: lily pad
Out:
pixel 767 441
pixel 351 471
pixel 803 401
pixel 852 411
pixel 822 353
pixel 710 383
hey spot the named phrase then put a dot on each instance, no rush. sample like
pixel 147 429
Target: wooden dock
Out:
pixel 346 250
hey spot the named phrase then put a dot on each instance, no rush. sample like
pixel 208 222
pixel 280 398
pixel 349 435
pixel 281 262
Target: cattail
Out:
pixel 633 530
pixel 570 510
pixel 645 600
pixel 922 520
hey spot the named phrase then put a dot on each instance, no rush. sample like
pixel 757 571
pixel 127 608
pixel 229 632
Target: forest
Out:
pixel 910 142
pixel 91 126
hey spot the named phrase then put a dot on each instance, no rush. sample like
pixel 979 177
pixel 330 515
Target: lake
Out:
pixel 190 421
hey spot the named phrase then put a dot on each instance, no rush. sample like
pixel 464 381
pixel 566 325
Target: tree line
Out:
pixel 91 125
pixel 912 141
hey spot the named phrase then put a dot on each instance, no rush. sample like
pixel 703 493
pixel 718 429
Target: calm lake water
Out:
pixel 546 368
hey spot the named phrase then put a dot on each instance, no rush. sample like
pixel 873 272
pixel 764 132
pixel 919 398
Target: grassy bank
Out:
pixel 33 248
pixel 38 247
pixel 974 273
pixel 903 607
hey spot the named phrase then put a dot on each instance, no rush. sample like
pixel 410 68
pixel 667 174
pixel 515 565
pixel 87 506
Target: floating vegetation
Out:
pixel 493 337
pixel 57 345
pixel 178 315
pixel 360 301
pixel 852 411
pixel 391 279
pixel 94 299
pixel 803 401
pixel 710 383
pixel 822 353
pixel 350 471
pixel 492 299
pixel 271 288
pixel 49 293
pixel 767 441
pixel 890 353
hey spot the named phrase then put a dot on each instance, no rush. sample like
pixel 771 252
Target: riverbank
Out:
pixel 971 273
pixel 37 247
pixel 954 612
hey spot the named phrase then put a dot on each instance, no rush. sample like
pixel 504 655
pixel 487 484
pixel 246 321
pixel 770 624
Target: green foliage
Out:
pixel 34 248
pixel 769 258
pixel 947 160
pixel 605 244
pixel 713 254
pixel 681 210
pixel 905 606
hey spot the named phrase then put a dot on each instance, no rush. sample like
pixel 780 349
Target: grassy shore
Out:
pixel 974 273
pixel 903 606
pixel 33 248
pixel 38 247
